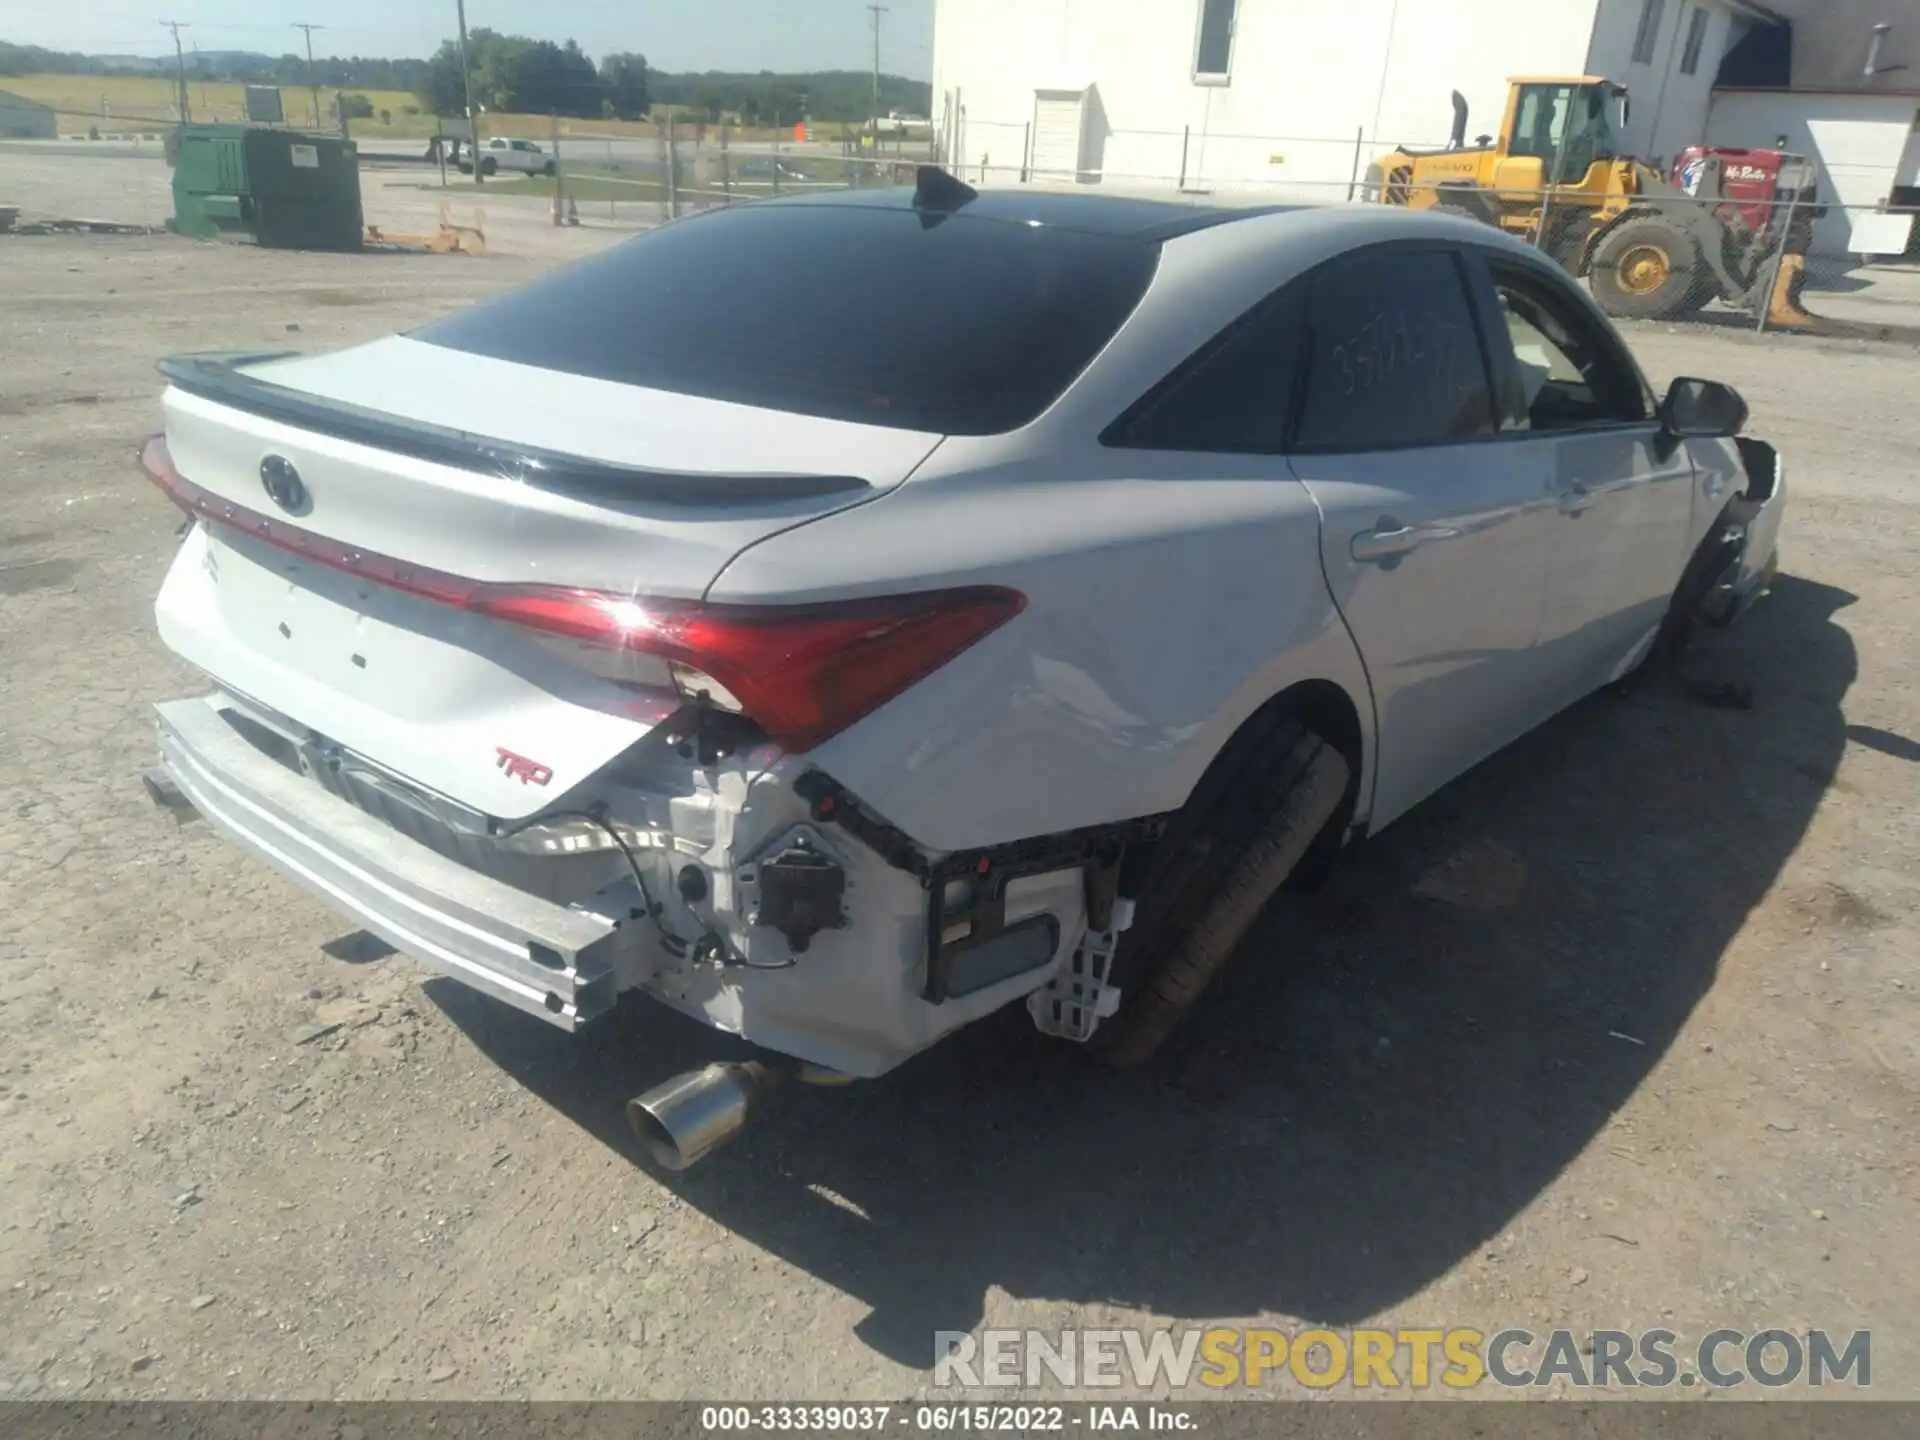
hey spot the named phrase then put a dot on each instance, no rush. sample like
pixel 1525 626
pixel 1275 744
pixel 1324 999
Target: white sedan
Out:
pixel 839 618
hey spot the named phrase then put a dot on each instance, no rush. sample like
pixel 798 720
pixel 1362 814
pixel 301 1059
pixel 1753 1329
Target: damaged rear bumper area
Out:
pixel 563 963
pixel 733 888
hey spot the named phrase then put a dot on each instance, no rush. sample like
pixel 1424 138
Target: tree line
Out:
pixel 765 98
pixel 514 74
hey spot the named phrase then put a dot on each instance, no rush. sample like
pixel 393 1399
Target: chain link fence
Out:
pixel 1734 248
pixel 1746 253
pixel 678 170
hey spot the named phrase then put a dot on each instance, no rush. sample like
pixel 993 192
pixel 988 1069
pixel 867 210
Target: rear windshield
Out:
pixel 955 325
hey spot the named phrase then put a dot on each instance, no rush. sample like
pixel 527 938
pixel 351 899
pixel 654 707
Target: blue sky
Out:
pixel 672 34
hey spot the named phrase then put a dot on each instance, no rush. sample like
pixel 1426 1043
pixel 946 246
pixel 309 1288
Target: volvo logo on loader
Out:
pixel 283 483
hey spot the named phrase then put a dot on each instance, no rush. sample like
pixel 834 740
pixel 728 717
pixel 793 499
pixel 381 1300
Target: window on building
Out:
pixel 1648 35
pixel 1213 51
pixel 1696 39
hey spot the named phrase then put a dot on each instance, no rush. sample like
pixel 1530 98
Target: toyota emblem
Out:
pixel 282 482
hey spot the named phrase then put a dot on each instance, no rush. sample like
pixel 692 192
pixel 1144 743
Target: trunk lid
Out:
pixel 490 471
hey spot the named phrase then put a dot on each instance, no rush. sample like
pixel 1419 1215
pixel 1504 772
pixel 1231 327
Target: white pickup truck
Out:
pixel 500 153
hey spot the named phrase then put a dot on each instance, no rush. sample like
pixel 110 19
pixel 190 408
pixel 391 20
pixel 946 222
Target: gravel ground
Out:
pixel 1619 1030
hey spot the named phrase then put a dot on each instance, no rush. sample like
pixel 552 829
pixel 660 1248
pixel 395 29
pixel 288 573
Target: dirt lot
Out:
pixel 1620 1030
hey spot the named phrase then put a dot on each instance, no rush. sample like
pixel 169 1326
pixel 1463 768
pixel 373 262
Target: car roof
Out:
pixel 1117 215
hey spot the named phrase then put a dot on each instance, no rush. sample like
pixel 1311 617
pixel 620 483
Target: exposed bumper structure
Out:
pixel 851 998
pixel 565 964
pixel 1757 513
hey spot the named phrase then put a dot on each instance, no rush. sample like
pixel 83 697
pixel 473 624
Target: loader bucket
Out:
pixel 1784 310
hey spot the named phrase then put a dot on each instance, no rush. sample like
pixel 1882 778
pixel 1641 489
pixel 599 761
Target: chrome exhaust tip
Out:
pixel 687 1118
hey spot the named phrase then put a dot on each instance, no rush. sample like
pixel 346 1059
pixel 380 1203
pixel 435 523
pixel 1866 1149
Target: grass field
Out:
pixel 126 102
pixel 145 102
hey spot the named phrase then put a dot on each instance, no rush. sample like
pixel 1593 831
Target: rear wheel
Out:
pixel 1249 822
pixel 549 169
pixel 1649 269
pixel 489 165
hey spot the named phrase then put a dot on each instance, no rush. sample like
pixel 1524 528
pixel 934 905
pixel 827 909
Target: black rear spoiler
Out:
pixel 223 378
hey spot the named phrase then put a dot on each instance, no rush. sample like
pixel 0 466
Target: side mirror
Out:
pixel 1702 409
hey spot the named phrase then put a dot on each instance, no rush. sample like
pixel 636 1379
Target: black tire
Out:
pixel 1251 819
pixel 549 169
pixel 489 166
pixel 1649 269
pixel 463 167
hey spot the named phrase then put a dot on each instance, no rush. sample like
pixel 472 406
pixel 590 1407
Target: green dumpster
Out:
pixel 278 187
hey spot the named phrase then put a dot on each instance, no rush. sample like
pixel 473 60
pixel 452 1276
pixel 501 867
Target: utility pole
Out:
pixel 466 87
pixel 179 63
pixel 313 88
pixel 878 11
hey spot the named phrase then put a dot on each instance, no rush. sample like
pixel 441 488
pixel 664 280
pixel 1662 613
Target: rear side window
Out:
pixel 1394 357
pixel 1235 396
pixel 956 325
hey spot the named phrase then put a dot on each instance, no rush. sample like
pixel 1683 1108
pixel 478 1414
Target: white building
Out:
pixel 1845 92
pixel 1251 94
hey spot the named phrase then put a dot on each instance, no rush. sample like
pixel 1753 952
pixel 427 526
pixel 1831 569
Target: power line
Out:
pixel 878 11
pixel 180 63
pixel 466 90
pixel 312 86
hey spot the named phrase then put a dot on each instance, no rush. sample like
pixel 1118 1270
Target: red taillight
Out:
pixel 802 672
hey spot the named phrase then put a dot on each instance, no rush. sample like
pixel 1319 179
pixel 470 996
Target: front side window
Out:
pixel 1566 374
pixel 1213 52
pixel 1394 357
pixel 1566 127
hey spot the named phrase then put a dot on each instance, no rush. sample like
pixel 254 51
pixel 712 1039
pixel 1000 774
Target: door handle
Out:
pixel 1577 498
pixel 1389 542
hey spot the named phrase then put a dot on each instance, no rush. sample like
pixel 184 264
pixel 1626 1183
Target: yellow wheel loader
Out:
pixel 1556 177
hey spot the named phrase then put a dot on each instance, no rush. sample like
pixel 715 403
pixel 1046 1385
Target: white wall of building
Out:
pixel 1669 107
pixel 1306 77
pixel 1864 145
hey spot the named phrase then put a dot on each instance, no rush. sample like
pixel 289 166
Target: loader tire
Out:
pixel 1249 823
pixel 1650 269
pixel 1464 211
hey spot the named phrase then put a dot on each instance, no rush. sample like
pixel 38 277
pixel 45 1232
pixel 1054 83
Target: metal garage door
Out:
pixel 1058 120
